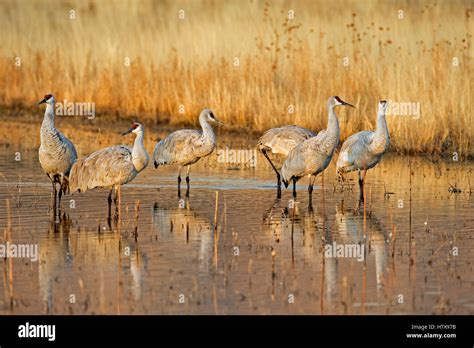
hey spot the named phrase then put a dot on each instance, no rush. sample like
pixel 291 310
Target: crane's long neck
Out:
pixel 207 131
pixel 48 133
pixel 139 155
pixel 332 130
pixel 48 120
pixel 381 138
pixel 382 129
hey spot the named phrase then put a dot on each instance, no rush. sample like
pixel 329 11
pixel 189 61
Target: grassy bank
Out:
pixel 250 62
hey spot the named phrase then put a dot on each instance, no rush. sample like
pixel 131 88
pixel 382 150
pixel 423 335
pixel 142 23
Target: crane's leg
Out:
pixel 117 197
pixel 187 180
pixel 53 182
pixel 361 185
pixel 65 185
pixel 361 195
pixel 179 182
pixel 276 172
pixel 311 184
pixel 294 187
pixel 109 201
pixel 60 193
pixel 310 208
pixel 312 178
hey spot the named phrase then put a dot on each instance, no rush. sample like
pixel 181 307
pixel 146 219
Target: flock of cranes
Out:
pixel 306 153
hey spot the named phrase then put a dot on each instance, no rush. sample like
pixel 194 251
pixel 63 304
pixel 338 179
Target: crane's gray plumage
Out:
pixel 363 150
pixel 57 153
pixel 112 166
pixel 313 155
pixel 183 147
pixel 187 146
pixel 281 141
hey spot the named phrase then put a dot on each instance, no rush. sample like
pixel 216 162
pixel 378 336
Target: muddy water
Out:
pixel 259 254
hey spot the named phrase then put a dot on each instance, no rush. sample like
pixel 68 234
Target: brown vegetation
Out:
pixel 282 62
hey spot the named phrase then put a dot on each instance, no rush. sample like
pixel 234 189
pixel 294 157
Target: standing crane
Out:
pixel 111 167
pixel 57 153
pixel 187 146
pixel 362 151
pixel 313 155
pixel 281 141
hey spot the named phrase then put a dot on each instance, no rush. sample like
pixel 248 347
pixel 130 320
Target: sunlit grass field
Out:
pixel 256 64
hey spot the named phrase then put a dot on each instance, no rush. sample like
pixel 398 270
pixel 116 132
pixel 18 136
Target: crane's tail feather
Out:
pixel 75 176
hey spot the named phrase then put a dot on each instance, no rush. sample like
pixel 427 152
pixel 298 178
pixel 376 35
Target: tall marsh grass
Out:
pixel 250 62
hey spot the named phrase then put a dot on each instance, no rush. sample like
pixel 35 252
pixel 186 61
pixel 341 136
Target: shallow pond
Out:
pixel 257 255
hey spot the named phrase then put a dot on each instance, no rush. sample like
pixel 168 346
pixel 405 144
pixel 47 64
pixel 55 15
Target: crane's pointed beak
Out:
pixel 219 122
pixel 41 102
pixel 128 132
pixel 347 104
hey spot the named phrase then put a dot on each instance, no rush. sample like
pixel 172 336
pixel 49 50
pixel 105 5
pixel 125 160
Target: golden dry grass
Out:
pixel 283 62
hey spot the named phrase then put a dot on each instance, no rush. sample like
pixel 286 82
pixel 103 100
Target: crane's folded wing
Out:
pixel 104 168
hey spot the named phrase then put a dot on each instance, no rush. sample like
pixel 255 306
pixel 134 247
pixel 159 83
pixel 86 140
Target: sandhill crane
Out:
pixel 363 150
pixel 186 146
pixel 281 141
pixel 110 167
pixel 57 153
pixel 313 155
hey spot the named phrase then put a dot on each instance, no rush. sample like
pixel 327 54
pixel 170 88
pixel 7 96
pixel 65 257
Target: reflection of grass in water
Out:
pixel 282 62
pixel 261 256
